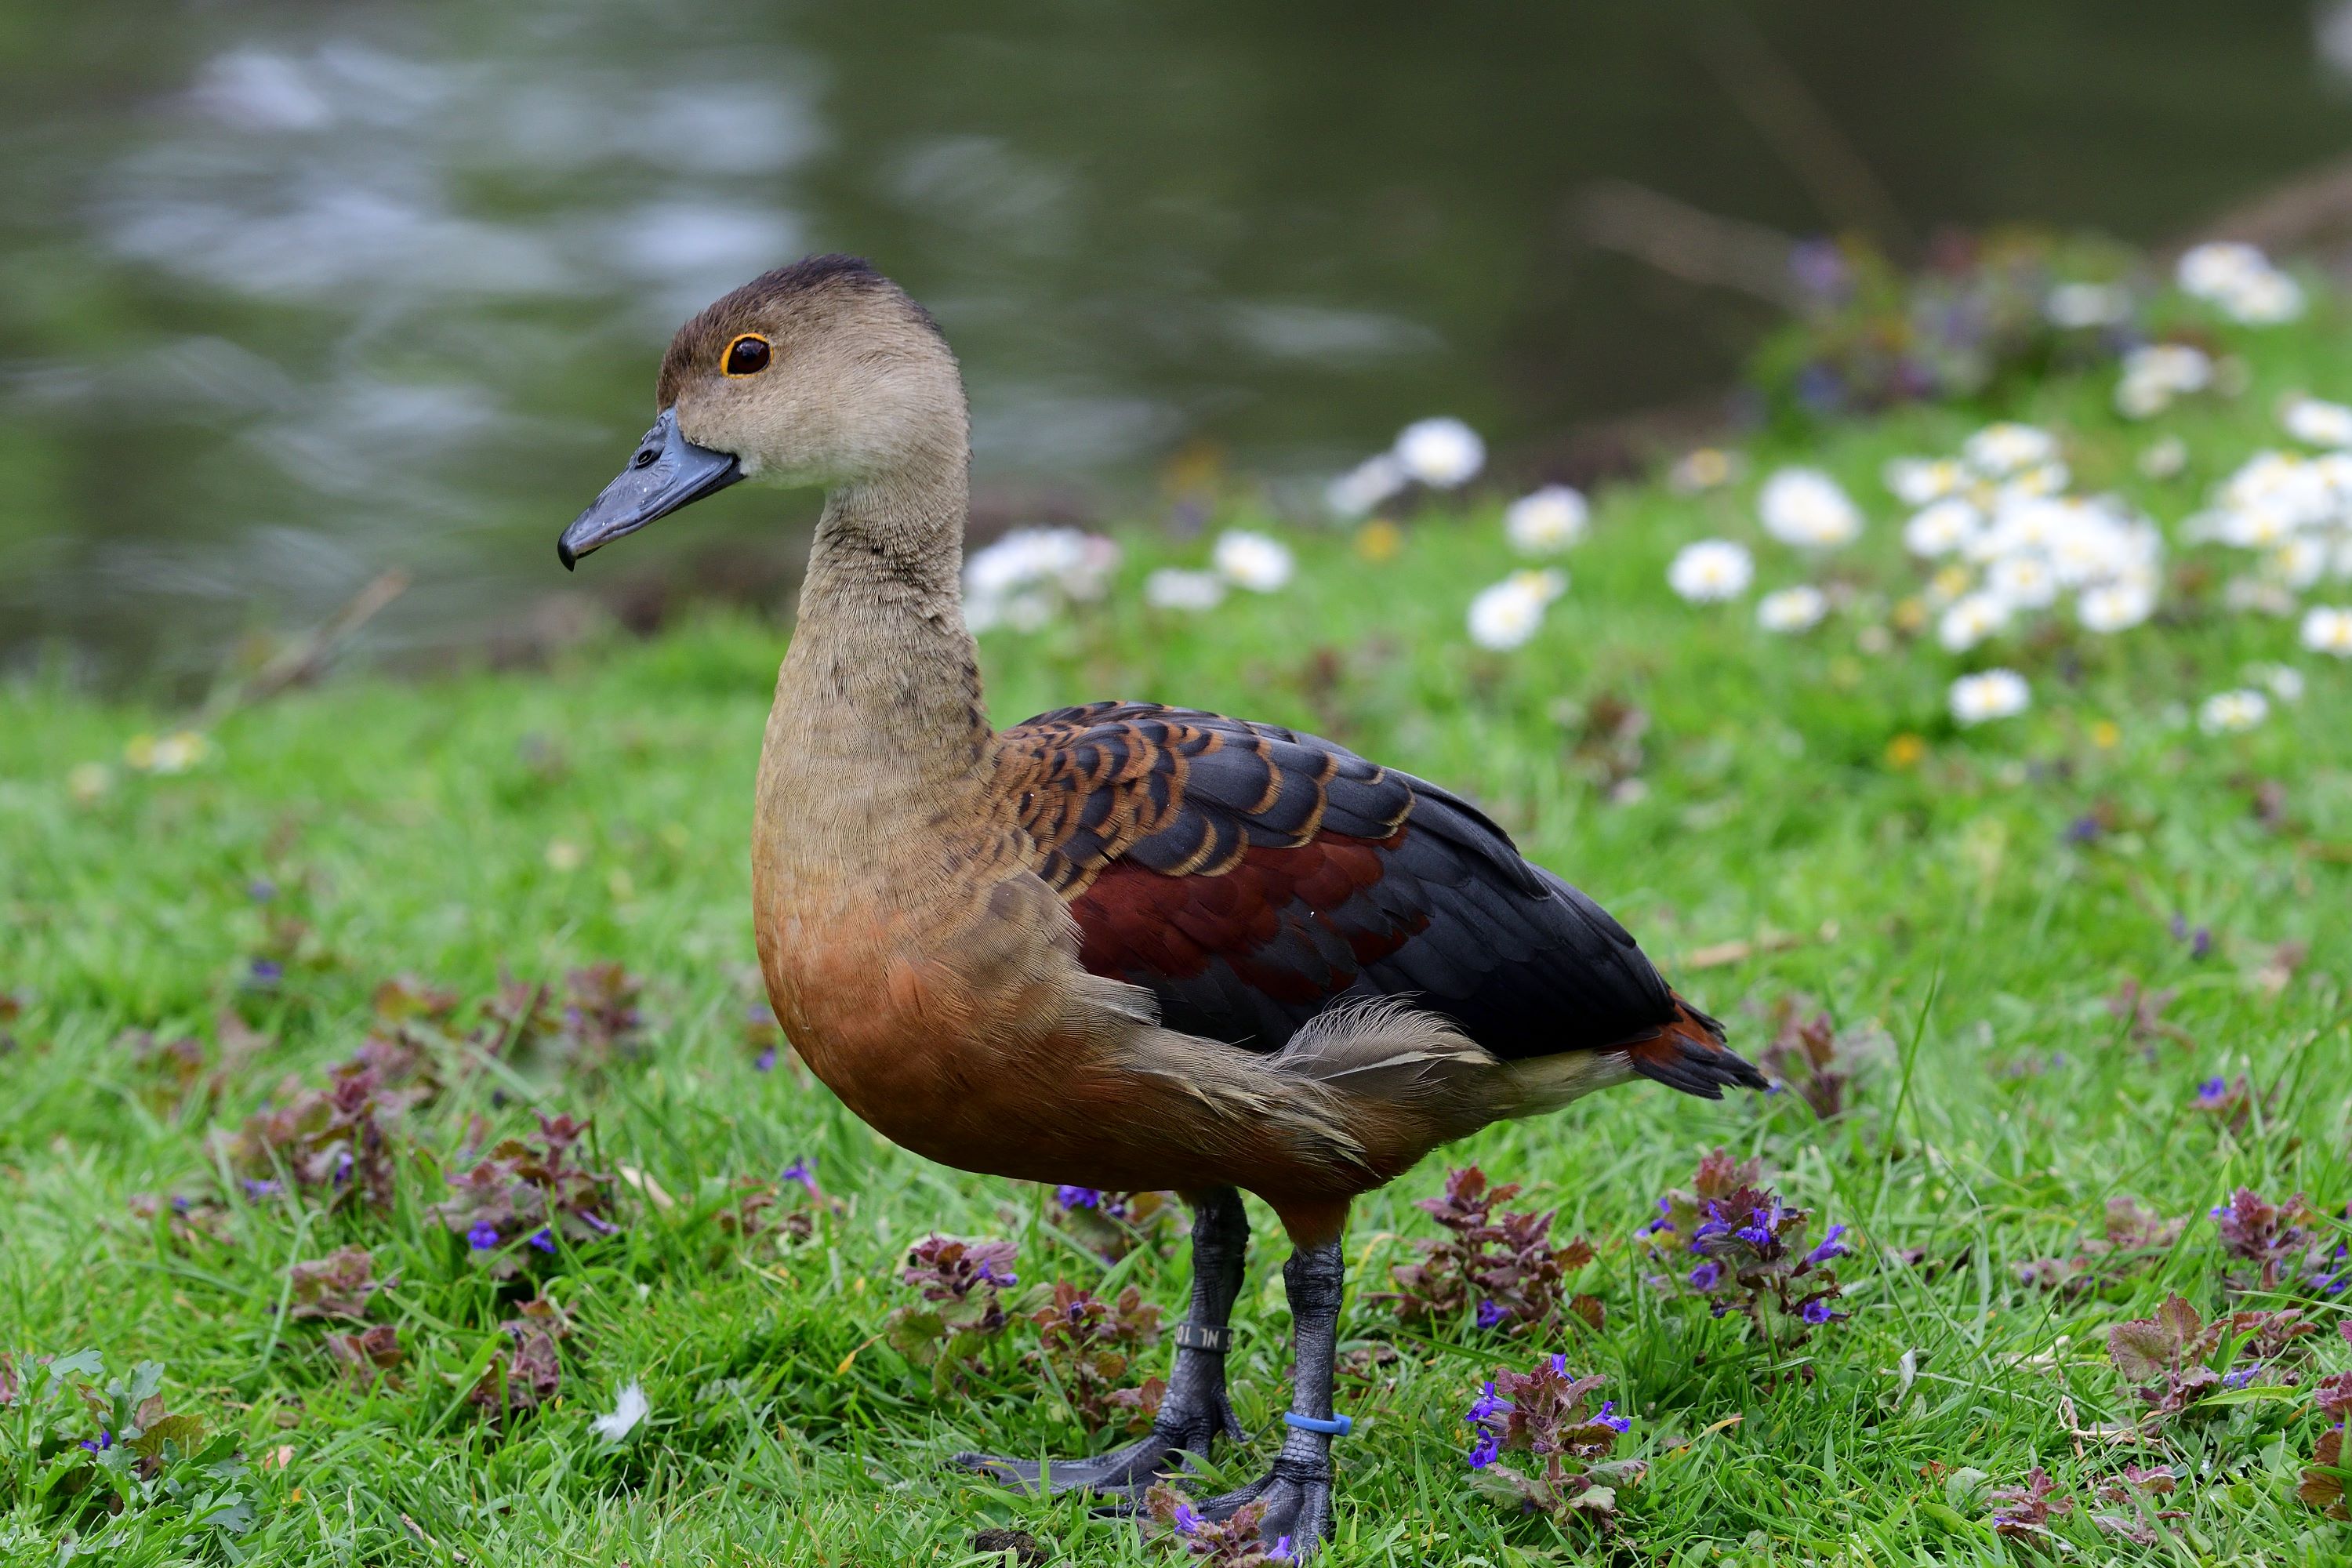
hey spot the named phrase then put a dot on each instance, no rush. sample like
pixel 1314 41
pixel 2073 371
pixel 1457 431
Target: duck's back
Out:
pixel 1252 878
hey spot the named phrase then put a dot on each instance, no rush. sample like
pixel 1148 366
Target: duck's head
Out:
pixel 821 373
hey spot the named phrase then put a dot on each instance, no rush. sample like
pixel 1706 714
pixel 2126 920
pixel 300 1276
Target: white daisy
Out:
pixel 1252 560
pixel 2078 305
pixel 1990 694
pixel 1441 453
pixel 2284 681
pixel 2241 281
pixel 1806 506
pixel 2026 526
pixel 2154 375
pixel 1546 521
pixel 2000 450
pixel 1506 615
pixel 1972 619
pixel 2316 422
pixel 2328 628
pixel 2254 528
pixel 2115 606
pixel 1915 481
pixel 2030 484
pixel 173 754
pixel 1024 579
pixel 1023 556
pixel 1366 486
pixel 2218 267
pixel 2301 489
pixel 1798 609
pixel 2094 544
pixel 2298 562
pixel 1030 610
pixel 1941 526
pixel 2023 581
pixel 2163 460
pixel 2138 397
pixel 1704 469
pixel 1710 570
pixel 2176 367
pixel 2264 300
pixel 2229 711
pixel 1174 588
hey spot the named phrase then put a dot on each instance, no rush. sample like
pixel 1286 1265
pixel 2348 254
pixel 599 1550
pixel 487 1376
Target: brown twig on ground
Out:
pixel 305 657
pixel 1687 242
pixel 1716 955
pixel 1788 115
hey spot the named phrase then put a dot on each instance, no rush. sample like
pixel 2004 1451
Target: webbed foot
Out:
pixel 1175 1440
pixel 1297 1498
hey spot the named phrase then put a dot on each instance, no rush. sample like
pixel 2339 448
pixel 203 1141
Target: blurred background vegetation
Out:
pixel 290 294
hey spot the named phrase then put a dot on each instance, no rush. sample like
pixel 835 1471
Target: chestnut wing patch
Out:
pixel 1250 877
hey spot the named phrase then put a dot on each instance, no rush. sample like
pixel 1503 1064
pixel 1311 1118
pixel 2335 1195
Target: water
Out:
pixel 291 294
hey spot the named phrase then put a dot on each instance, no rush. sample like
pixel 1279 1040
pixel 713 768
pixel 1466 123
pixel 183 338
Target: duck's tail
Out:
pixel 1687 1053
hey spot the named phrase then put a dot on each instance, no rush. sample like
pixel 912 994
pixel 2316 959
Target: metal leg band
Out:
pixel 1201 1337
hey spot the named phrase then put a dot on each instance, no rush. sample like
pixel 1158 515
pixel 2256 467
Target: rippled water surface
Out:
pixel 291 294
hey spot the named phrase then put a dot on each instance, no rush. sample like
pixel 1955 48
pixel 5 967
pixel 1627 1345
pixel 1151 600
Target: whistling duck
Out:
pixel 1122 946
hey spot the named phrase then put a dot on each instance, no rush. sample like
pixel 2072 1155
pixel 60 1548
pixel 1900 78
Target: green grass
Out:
pixel 525 824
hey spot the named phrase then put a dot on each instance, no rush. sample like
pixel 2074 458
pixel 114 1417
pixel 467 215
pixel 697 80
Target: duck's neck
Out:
pixel 882 676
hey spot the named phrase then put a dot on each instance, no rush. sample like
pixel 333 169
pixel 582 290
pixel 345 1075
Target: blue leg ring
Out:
pixel 1337 1426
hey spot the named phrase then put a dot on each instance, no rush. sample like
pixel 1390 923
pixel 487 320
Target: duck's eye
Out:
pixel 746 356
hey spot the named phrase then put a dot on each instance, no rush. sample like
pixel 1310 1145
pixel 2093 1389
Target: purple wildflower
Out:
pixel 2212 1091
pixel 2240 1376
pixel 986 1274
pixel 99 1444
pixel 1830 1247
pixel 766 1062
pixel 1280 1551
pixel 1187 1522
pixel 1559 1364
pixel 1609 1417
pixel 483 1237
pixel 1819 268
pixel 343 1166
pixel 800 1170
pixel 266 971
pixel 542 1238
pixel 1485 1452
pixel 1762 1230
pixel 2082 830
pixel 259 1188
pixel 1077 1198
pixel 1817 1311
pixel 262 890
pixel 1491 1314
pixel 1483 1408
pixel 2202 942
pixel 1706 1276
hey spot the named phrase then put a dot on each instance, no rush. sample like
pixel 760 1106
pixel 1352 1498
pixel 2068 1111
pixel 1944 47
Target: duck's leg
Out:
pixel 1195 1412
pixel 1296 1491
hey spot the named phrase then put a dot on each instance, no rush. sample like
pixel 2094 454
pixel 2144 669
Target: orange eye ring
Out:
pixel 748 353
